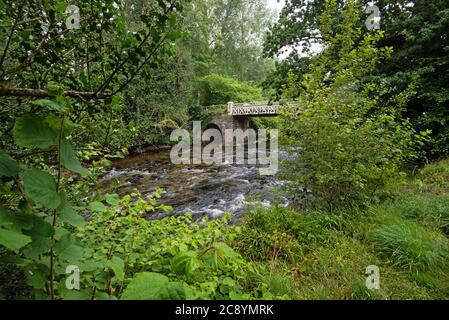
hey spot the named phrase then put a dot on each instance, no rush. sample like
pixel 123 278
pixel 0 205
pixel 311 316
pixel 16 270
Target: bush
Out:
pixel 281 233
pixel 435 177
pixel 343 151
pixel 123 246
pixel 215 89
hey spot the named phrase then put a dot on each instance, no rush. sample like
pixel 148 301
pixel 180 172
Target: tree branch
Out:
pixel 122 63
pixel 11 33
pixel 141 66
pixel 38 93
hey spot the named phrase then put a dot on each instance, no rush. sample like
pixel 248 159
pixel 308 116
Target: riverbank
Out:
pixel 311 254
pixel 316 255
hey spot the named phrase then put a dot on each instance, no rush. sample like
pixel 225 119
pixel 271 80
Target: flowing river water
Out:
pixel 199 189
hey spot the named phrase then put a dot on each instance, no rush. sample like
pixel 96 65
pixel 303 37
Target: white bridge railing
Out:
pixel 254 108
pixel 243 109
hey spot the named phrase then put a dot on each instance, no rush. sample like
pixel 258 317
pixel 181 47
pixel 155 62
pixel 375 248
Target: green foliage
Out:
pixel 10 235
pixel 8 167
pixel 32 232
pixel 265 123
pixel 33 132
pixel 181 258
pixel 69 160
pixel 115 44
pixel 347 140
pixel 153 286
pixel 225 37
pixel 415 248
pixel 216 89
pixel 434 177
pixel 418 35
pixel 331 256
pixel 346 151
pixel 41 50
pixel 281 233
pixel 41 188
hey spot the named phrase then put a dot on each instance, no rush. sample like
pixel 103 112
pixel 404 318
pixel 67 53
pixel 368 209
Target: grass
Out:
pixel 420 251
pixel 315 255
pixel 429 210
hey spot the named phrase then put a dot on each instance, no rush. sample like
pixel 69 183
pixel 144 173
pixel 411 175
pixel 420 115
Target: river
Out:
pixel 199 189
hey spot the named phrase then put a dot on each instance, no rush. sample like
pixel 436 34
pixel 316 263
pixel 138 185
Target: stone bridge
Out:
pixel 253 109
pixel 239 114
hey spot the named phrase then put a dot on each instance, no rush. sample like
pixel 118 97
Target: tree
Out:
pixel 45 54
pixel 345 149
pixel 418 33
pixel 225 37
pixel 95 60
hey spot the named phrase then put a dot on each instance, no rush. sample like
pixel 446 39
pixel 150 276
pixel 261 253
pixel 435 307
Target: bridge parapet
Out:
pixel 254 109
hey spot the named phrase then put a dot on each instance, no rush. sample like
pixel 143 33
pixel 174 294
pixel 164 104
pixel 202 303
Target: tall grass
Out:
pixel 281 233
pixel 430 210
pixel 413 248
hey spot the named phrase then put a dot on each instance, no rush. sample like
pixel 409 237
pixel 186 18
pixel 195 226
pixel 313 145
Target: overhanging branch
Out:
pixel 38 93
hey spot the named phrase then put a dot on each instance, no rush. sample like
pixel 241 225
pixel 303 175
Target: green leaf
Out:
pixel 113 199
pixel 219 255
pixel 68 250
pixel 118 266
pixel 153 286
pixel 40 234
pixel 15 220
pixel 50 104
pixel 55 123
pixel 8 166
pixel 97 206
pixel 37 275
pixel 61 6
pixel 175 291
pixel 174 35
pixel 185 263
pixel 85 294
pixel 146 286
pixel 68 215
pixel 31 131
pixel 69 160
pixel 55 89
pixel 172 19
pixel 91 265
pixel 13 240
pixel 104 296
pixel 14 259
pixel 41 188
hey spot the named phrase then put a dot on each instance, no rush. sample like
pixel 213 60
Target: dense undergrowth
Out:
pixel 274 253
pixel 317 255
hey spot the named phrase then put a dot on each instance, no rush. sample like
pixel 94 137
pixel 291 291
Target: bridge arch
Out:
pixel 212 125
pixel 223 122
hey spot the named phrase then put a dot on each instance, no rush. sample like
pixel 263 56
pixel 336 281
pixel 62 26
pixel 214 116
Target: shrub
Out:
pixel 435 177
pixel 188 260
pixel 215 89
pixel 343 150
pixel 281 233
